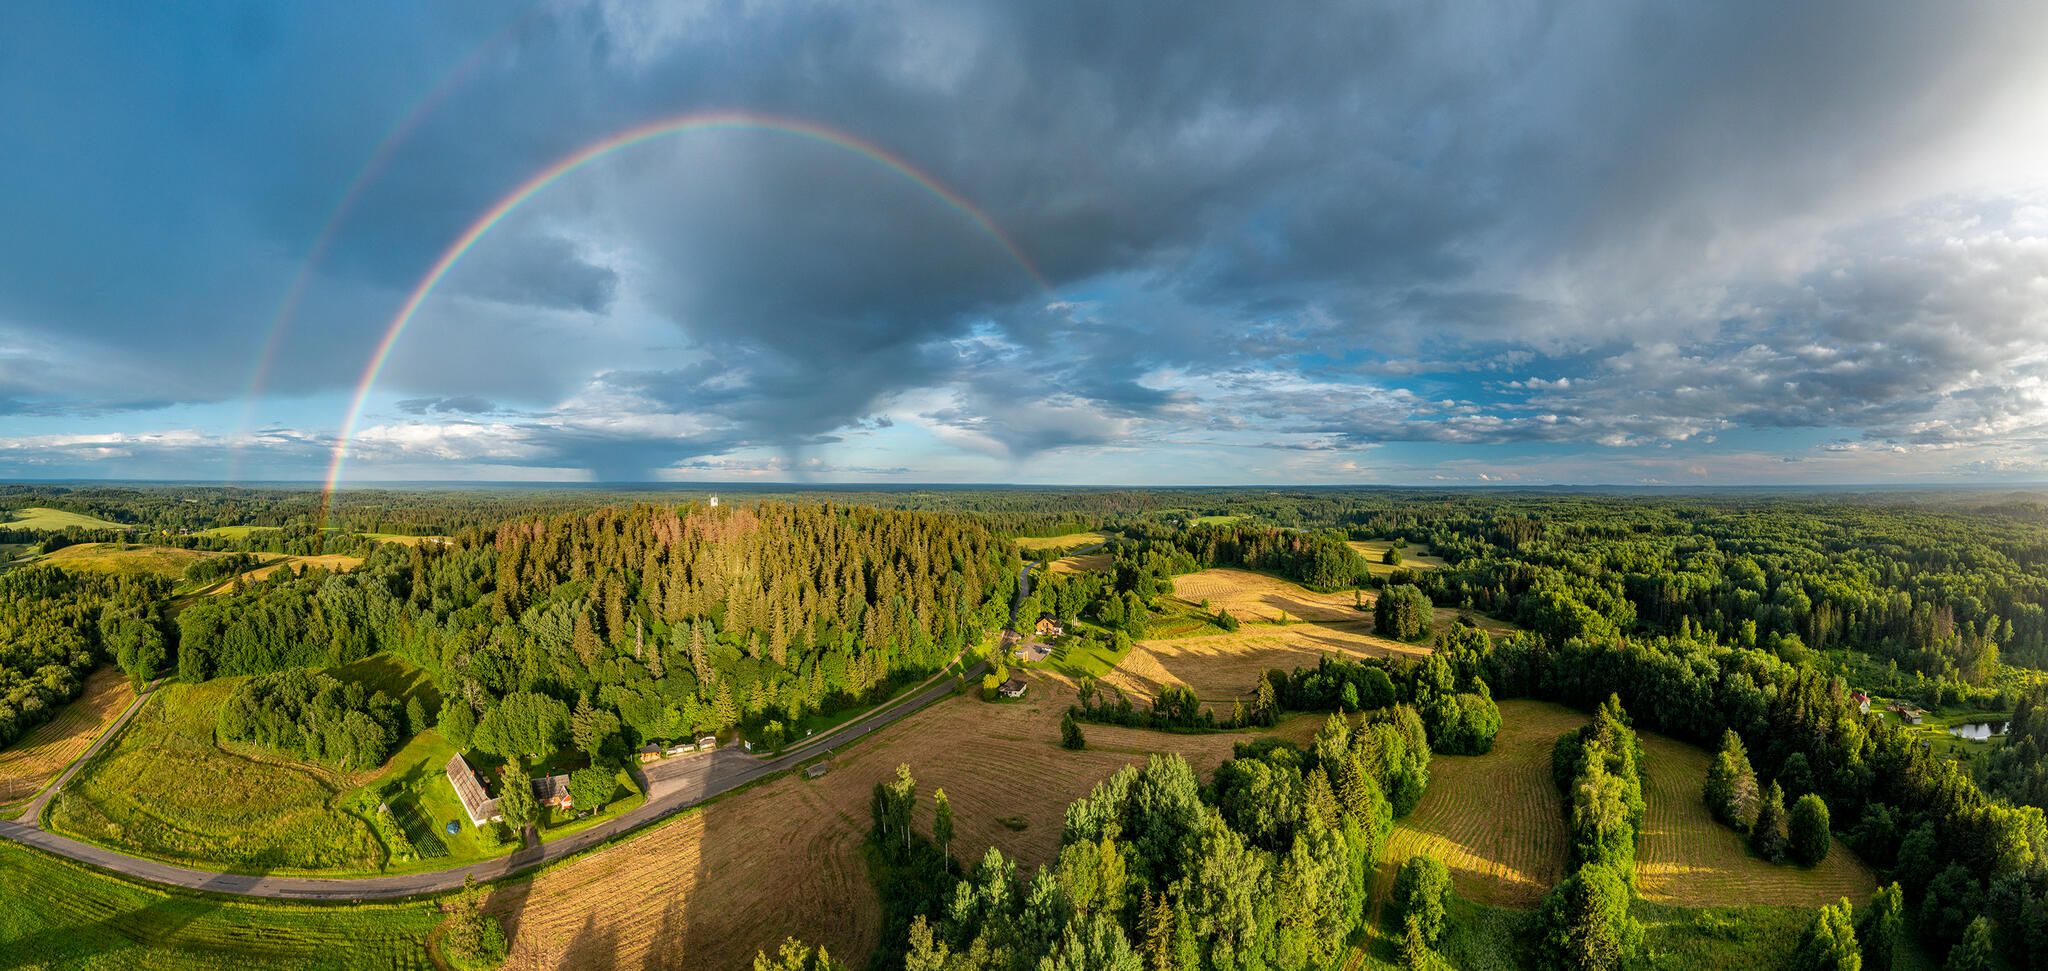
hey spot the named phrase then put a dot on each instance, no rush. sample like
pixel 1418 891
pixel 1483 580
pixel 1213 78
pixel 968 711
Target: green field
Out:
pixel 164 789
pixel 237 532
pixel 1067 542
pixel 127 559
pixel 59 915
pixel 56 520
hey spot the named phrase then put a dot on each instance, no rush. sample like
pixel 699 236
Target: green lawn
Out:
pixel 56 520
pixel 59 915
pixel 1076 658
pixel 237 532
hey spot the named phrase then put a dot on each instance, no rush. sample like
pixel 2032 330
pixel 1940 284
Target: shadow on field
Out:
pixel 87 944
pixel 665 951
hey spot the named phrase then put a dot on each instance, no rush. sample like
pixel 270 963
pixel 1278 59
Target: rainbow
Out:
pixel 380 158
pixel 697 122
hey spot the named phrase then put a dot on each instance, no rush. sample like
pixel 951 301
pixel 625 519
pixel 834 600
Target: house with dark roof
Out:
pixel 1013 688
pixel 649 752
pixel 470 789
pixel 552 791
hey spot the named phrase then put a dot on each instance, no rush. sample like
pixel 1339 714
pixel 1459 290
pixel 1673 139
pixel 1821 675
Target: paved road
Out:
pixel 670 793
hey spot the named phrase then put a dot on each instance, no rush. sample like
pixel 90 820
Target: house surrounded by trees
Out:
pixel 470 789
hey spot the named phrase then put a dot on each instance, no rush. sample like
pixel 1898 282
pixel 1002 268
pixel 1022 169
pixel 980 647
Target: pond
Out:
pixel 1979 731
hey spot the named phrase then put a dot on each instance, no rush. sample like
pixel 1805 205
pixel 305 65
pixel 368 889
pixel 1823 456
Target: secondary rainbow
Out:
pixel 696 122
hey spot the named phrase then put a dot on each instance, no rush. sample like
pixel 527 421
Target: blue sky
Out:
pixel 1369 243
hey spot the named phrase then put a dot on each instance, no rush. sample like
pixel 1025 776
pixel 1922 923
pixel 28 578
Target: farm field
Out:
pixel 1687 859
pixel 1496 819
pixel 1224 667
pixel 1413 557
pixel 32 761
pixel 404 539
pixel 1084 563
pixel 337 562
pixel 127 559
pixel 164 789
pixel 56 520
pixel 785 857
pixel 1068 541
pixel 60 915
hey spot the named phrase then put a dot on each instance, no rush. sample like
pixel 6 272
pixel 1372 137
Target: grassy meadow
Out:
pixel 60 915
pixel 165 789
pixel 1069 541
pixel 55 520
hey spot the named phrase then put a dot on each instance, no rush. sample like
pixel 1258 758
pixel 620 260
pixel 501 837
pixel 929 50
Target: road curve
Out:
pixel 436 881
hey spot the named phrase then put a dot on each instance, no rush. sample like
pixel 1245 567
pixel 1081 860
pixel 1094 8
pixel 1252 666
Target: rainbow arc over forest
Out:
pixel 641 134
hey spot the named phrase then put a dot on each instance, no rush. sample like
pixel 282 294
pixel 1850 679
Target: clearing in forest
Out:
pixel 336 562
pixel 32 761
pixel 1066 542
pixel 1412 557
pixel 784 858
pixel 1084 563
pixel 56 520
pixel 1496 819
pixel 127 559
pixel 1687 859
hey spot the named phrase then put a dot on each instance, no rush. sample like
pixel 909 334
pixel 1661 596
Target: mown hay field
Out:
pixel 56 520
pixel 736 876
pixel 59 915
pixel 127 559
pixel 336 562
pixel 164 789
pixel 1412 557
pixel 1221 668
pixel 32 761
pixel 1085 563
pixel 1497 819
pixel 1066 542
pixel 1687 859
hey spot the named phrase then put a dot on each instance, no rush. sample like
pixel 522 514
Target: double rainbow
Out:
pixel 699 122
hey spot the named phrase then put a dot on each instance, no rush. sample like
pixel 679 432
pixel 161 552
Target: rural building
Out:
pixel 1908 713
pixel 470 789
pixel 1048 626
pixel 649 752
pixel 816 769
pixel 681 747
pixel 1013 688
pixel 553 791
pixel 707 743
pixel 1862 702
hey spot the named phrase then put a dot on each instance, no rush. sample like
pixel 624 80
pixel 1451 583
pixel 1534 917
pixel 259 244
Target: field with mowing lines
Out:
pixel 31 762
pixel 56 520
pixel 1687 859
pixel 713 887
pixel 337 562
pixel 1253 596
pixel 1413 557
pixel 127 559
pixel 1223 667
pixel 1067 542
pixel 1085 563
pixel 165 789
pixel 63 916
pixel 1496 819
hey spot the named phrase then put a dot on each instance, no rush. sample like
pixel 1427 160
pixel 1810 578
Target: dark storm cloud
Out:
pixel 1360 223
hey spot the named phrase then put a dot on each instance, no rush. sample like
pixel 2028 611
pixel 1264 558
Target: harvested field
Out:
pixel 1255 596
pixel 31 762
pixel 1067 542
pixel 337 562
pixel 127 559
pixel 1224 667
pixel 712 888
pixel 1412 558
pixel 1085 563
pixel 1496 819
pixel 1687 859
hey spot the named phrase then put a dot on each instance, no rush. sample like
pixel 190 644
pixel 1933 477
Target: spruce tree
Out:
pixel 1731 790
pixel 1767 837
pixel 1070 731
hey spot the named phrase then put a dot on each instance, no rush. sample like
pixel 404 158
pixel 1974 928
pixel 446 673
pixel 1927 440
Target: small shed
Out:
pixel 707 743
pixel 1013 688
pixel 816 769
pixel 648 752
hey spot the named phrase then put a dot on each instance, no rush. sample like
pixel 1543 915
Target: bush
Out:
pixel 1423 891
pixel 1807 834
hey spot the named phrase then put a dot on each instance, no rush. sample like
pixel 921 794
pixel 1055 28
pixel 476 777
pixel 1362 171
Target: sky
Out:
pixel 1034 242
